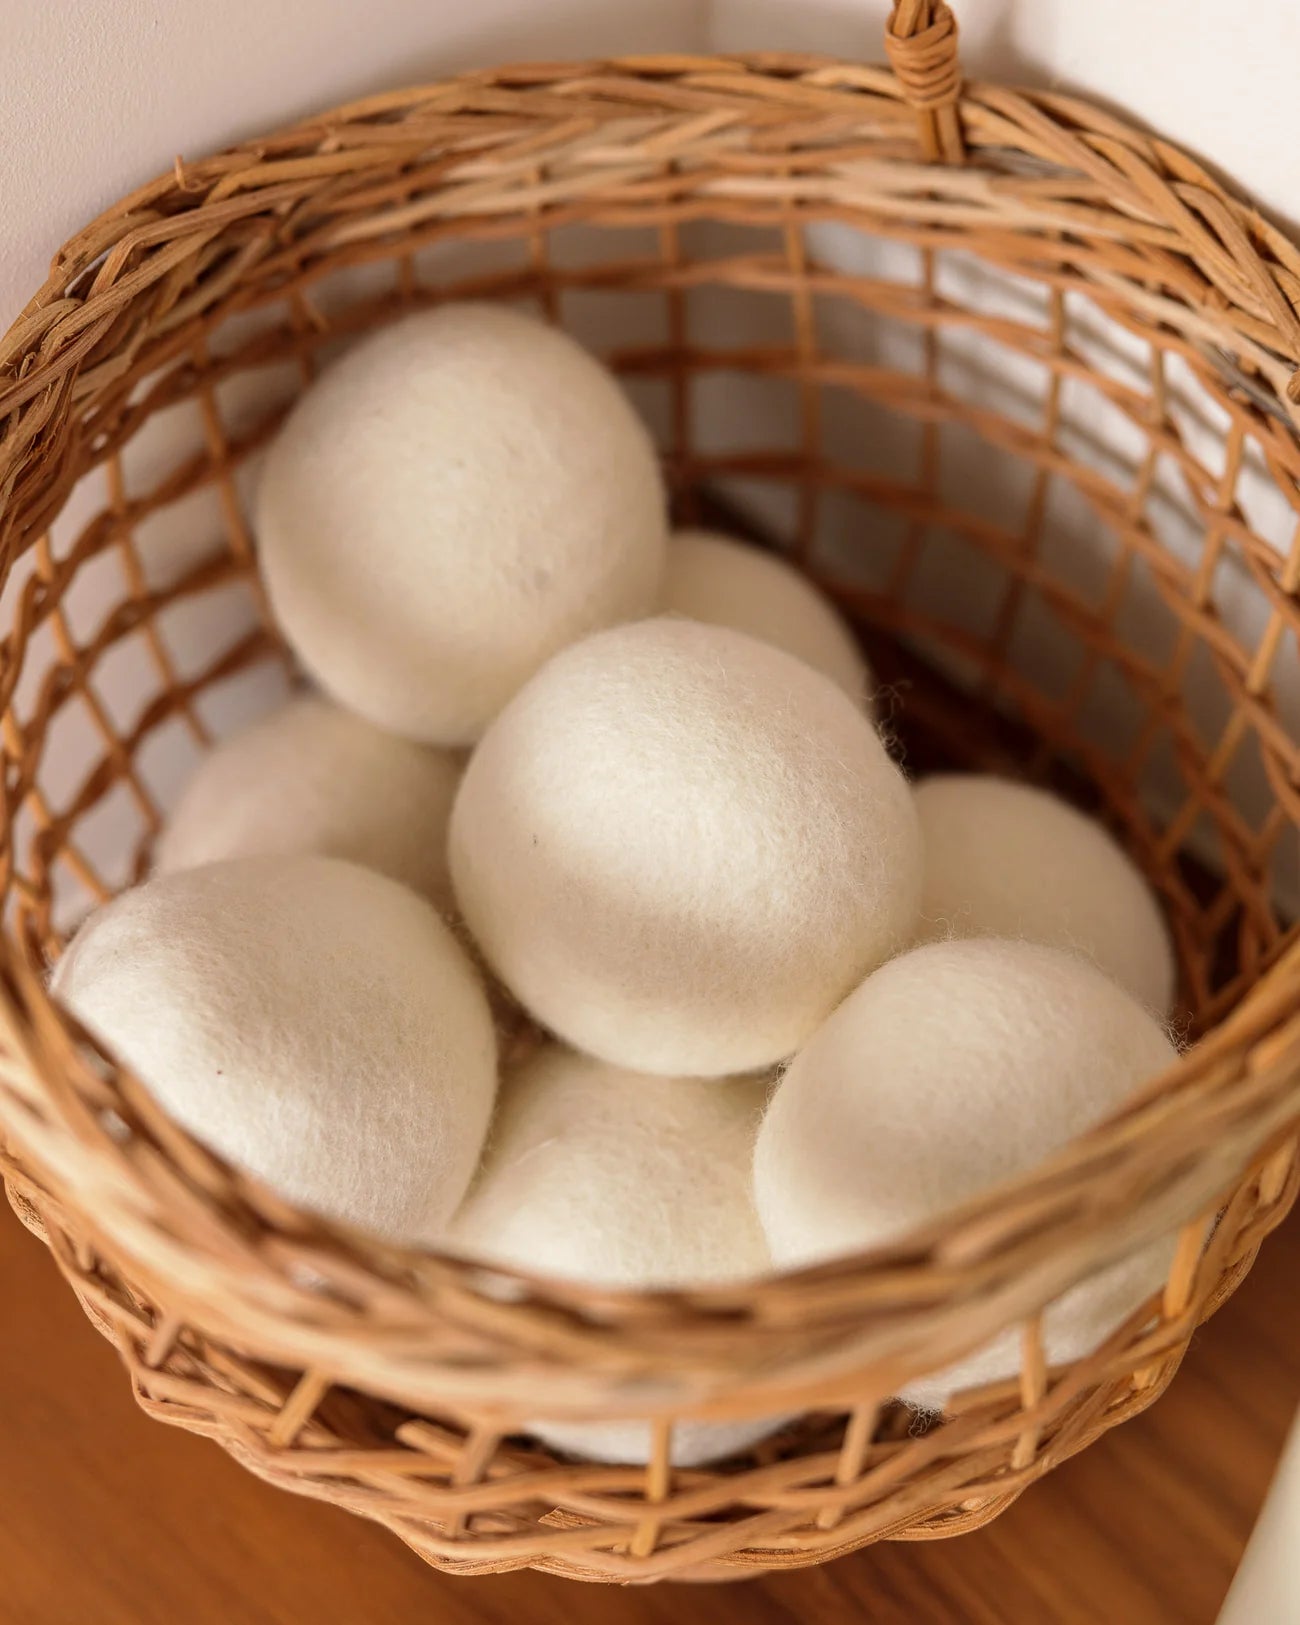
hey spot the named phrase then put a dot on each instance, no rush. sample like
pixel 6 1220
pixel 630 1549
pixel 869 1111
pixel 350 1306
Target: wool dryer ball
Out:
pixel 461 495
pixel 616 1179
pixel 954 1067
pixel 713 578
pixel 680 848
pixel 313 1022
pixel 311 777
pixel 1008 860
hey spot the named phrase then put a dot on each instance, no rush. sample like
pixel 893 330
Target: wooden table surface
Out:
pixel 107 1518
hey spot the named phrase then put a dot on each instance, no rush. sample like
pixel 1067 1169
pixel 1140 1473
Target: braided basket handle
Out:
pixel 921 43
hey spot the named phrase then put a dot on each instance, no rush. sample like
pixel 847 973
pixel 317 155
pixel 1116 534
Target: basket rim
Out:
pixel 1241 1078
pixel 1146 171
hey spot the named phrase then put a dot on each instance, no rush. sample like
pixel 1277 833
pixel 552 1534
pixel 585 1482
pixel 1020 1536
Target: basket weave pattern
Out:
pixel 392 1384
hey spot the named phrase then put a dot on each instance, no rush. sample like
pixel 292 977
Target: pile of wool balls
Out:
pixel 791 1007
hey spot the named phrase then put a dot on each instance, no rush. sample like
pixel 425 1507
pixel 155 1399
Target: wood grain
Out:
pixel 1145 1528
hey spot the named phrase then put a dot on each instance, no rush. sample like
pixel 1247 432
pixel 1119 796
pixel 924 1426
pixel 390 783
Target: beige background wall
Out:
pixel 101 94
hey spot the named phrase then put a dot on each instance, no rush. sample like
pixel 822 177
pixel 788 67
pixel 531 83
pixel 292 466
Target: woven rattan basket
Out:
pixel 1016 384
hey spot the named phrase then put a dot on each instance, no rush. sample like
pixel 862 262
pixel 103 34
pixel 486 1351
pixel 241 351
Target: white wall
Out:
pixel 99 95
pixel 1217 78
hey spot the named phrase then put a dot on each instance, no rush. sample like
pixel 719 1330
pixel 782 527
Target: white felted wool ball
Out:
pixel 617 1179
pixel 713 578
pixel 1008 860
pixel 680 848
pixel 313 1022
pixel 694 1443
pixel 953 1068
pixel 457 498
pixel 311 777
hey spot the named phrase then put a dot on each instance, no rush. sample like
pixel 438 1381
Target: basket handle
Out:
pixel 921 43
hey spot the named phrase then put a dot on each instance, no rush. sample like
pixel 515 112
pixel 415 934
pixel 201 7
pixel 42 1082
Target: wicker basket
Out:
pixel 691 203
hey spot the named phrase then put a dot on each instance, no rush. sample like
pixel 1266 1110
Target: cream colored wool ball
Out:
pixel 311 777
pixel 694 1443
pixel 680 848
pixel 712 578
pixel 1008 860
pixel 953 1068
pixel 618 1179
pixel 461 495
pixel 313 1022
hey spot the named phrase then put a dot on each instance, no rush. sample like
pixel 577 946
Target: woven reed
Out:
pixel 390 1383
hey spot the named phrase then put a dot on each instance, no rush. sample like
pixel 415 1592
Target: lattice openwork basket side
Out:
pixel 1016 384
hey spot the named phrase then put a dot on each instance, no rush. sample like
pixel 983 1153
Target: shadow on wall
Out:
pixel 1195 74
pixel 855 29
pixel 98 99
pixel 733 412
pixel 1082 546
